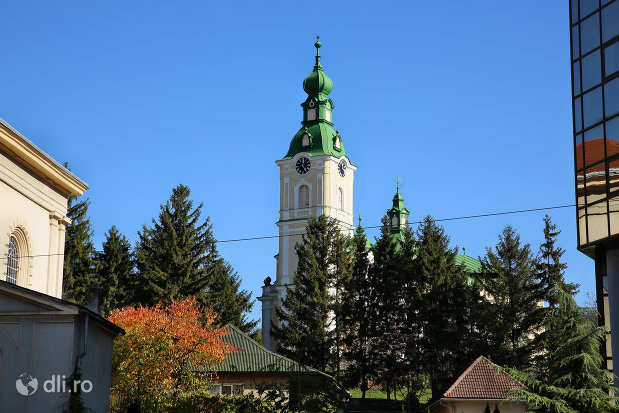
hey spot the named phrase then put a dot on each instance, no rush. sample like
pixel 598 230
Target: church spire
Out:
pixel 317 45
pixel 398 214
pixel 317 136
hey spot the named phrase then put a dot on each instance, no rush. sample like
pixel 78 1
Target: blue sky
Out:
pixel 468 102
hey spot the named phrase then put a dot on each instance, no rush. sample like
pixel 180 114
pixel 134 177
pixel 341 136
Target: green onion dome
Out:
pixel 318 84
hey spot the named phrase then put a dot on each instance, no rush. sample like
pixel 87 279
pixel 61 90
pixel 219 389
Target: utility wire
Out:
pixel 520 211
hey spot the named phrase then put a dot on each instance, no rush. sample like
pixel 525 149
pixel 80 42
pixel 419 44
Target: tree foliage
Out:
pixel 515 297
pixel 310 314
pixel 356 313
pixel 444 300
pixel 115 272
pixel 575 382
pixel 79 264
pixel 167 351
pixel 177 257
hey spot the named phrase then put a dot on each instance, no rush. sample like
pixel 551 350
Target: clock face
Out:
pixel 303 165
pixel 341 167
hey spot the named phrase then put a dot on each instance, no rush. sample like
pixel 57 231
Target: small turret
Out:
pixel 398 214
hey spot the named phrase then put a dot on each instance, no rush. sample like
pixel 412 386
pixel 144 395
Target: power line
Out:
pixel 520 211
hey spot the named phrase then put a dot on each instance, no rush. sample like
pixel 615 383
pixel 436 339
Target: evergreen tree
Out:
pixel 549 266
pixel 575 383
pixel 310 325
pixel 177 257
pixel 551 272
pixel 226 296
pixel 79 264
pixel 387 348
pixel 443 306
pixel 515 295
pixel 115 272
pixel 357 312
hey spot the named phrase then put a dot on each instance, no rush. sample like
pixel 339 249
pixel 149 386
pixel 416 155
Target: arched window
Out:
pixel 311 114
pixel 304 197
pixel 12 266
pixel 305 140
pixel 340 199
pixel 394 221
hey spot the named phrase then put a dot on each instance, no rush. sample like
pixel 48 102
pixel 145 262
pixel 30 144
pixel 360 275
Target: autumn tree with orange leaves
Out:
pixel 168 352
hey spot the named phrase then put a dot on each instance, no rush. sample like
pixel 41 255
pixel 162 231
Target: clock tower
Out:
pixel 316 178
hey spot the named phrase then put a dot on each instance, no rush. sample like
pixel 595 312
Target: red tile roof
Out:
pixel 482 381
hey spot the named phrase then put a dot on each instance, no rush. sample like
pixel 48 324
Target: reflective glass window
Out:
pixel 574 4
pixel 610 21
pixel 590 33
pixel 582 227
pixel 595 182
pixel 597 220
pixel 577 115
pixel 594 145
pixel 591 70
pixel 612 141
pixel 612 129
pixel 577 78
pixel 575 43
pixel 578 151
pixel 592 107
pixel 588 6
pixel 611 97
pixel 611 59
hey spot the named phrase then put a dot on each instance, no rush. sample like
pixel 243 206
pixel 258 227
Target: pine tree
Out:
pixel 79 264
pixel 575 383
pixel 226 296
pixel 549 266
pixel 115 272
pixel 386 349
pixel 515 295
pixel 357 312
pixel 442 305
pixel 309 321
pixel 177 257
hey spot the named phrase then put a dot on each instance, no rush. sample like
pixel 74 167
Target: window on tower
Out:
pixel 394 222
pixel 305 141
pixel 328 115
pixel 304 196
pixel 311 114
pixel 340 199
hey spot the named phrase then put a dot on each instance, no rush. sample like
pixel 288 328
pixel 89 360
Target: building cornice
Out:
pixel 29 156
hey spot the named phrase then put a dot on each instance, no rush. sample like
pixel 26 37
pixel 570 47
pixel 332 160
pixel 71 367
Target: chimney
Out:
pixel 92 298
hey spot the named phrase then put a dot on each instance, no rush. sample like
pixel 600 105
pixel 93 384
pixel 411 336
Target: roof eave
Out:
pixel 38 162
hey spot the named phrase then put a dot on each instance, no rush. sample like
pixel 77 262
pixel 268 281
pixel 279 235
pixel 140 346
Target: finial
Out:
pixel 397 185
pixel 317 45
pixel 464 250
pixel 359 219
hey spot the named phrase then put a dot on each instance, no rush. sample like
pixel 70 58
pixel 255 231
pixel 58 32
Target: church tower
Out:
pixel 316 178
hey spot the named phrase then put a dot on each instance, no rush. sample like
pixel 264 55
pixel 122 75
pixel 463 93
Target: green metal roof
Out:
pixel 253 357
pixel 322 141
pixel 471 264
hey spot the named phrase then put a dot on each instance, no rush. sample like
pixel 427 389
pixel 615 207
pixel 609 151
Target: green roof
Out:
pixel 322 141
pixel 471 264
pixel 253 357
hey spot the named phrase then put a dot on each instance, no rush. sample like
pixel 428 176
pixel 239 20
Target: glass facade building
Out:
pixel 594 33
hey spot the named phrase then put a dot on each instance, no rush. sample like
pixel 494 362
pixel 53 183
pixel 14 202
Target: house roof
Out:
pixel 482 380
pixel 47 300
pixel 253 357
